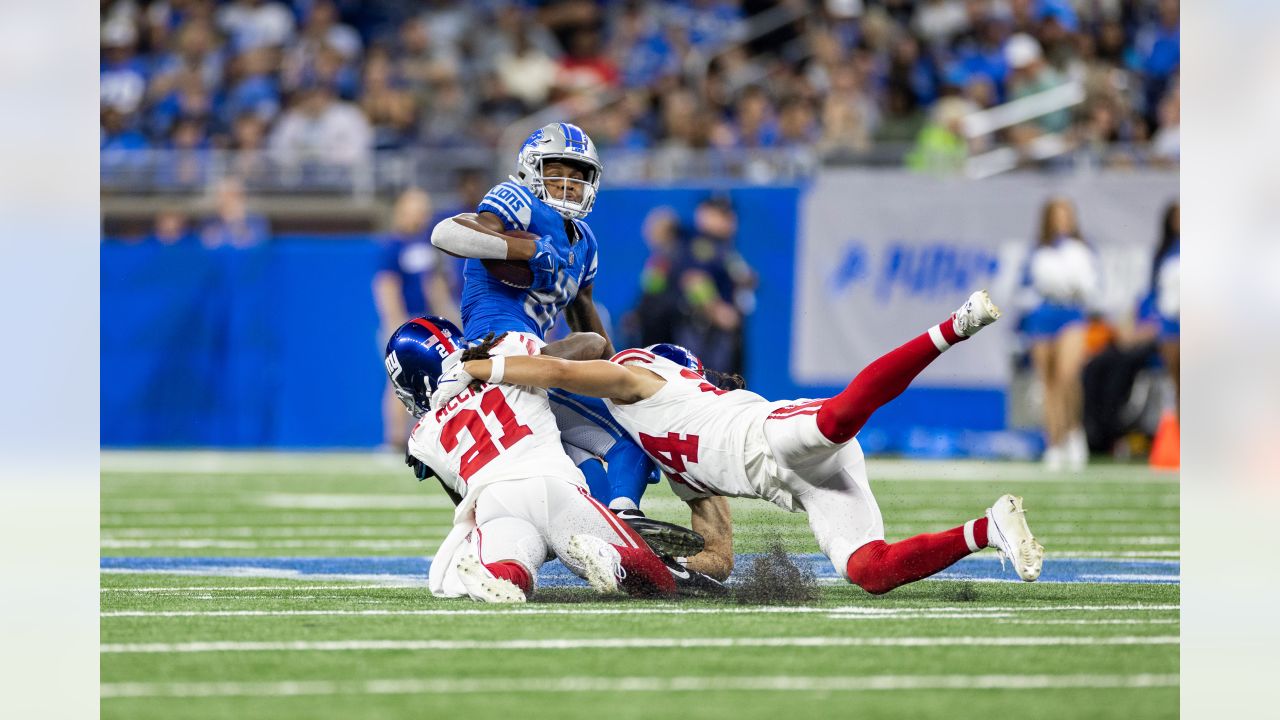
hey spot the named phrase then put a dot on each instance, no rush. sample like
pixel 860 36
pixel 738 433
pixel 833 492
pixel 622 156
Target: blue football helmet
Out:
pixel 677 354
pixel 415 358
pixel 567 143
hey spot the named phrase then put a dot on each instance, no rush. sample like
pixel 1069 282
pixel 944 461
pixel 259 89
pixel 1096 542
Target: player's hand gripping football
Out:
pixel 453 380
pixel 546 264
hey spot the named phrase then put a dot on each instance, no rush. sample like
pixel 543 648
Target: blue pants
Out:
pixel 1048 319
pixel 586 424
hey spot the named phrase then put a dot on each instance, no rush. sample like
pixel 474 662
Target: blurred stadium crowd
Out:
pixel 338 79
pixel 250 101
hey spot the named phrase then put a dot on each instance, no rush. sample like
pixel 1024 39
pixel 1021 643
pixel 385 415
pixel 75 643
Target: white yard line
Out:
pixel 331 464
pixel 424 543
pixel 925 616
pixel 908 615
pixel 428 534
pixel 426 500
pixel 1095 540
pixel 238 504
pixel 269 516
pixel 1103 621
pixel 1089 516
pixel 780 609
pixel 387 532
pixel 835 612
pixel 1118 554
pixel 630 643
pixel 430 542
pixel 380 531
pixel 230 463
pixel 429 499
pixel 1126 578
pixel 248 588
pixel 1156 503
pixel 1112 530
pixel 248 571
pixel 1030 472
pixel 773 683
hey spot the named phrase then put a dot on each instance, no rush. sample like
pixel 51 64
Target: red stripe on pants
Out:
pixel 625 533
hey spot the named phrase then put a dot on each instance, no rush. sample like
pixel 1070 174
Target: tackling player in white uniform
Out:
pixel 800 455
pixel 498 451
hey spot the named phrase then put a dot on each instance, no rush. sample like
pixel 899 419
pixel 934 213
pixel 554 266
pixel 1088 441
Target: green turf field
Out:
pixel 266 644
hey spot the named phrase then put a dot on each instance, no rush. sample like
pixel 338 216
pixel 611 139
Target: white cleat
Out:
pixel 483 586
pixel 976 313
pixel 601 564
pixel 1008 533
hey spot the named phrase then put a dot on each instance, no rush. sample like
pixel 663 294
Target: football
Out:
pixel 515 273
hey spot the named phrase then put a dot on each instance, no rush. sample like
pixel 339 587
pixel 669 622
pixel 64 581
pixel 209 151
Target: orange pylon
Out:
pixel 1166 449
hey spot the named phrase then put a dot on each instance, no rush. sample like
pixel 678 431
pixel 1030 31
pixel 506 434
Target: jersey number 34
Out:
pixel 673 451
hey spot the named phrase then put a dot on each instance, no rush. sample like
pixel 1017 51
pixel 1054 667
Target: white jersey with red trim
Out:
pixel 493 433
pixel 697 432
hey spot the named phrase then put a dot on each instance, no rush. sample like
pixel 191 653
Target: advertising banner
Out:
pixel 881 255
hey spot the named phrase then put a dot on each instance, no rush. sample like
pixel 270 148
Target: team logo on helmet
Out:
pixel 569 144
pixel 534 139
pixel 393 364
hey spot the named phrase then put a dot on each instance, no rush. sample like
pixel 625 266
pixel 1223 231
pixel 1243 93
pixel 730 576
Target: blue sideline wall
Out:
pixel 278 346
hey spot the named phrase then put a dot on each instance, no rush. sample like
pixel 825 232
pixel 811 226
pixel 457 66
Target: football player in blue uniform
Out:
pixel 521 282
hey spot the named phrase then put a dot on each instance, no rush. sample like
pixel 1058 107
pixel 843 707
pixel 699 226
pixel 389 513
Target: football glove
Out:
pixel 452 381
pixel 546 265
pixel 420 469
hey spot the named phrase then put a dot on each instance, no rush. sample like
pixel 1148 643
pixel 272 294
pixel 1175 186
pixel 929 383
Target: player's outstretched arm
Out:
pixel 711 520
pixel 594 378
pixel 480 236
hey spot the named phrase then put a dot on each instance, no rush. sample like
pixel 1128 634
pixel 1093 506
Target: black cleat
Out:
pixel 665 538
pixel 691 583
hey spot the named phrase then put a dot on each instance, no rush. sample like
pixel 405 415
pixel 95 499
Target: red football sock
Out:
pixel 512 571
pixel 842 416
pixel 646 574
pixel 879 567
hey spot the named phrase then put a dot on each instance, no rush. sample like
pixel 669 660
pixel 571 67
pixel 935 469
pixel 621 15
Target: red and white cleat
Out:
pixel 483 586
pixel 976 313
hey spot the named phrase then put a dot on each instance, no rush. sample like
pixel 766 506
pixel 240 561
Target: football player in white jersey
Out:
pixel 497 450
pixel 800 455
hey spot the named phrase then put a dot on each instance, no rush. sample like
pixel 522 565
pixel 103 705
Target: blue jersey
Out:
pixel 488 305
pixel 1161 304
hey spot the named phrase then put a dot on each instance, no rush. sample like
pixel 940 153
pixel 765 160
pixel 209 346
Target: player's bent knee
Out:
pixel 867 571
